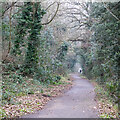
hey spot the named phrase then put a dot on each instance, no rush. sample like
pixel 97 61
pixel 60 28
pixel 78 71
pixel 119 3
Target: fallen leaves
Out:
pixel 34 102
pixel 105 107
pixel 106 110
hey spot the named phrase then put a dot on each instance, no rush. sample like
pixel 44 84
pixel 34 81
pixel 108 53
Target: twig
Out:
pixel 13 3
pixel 50 6
pixel 58 4
pixel 111 12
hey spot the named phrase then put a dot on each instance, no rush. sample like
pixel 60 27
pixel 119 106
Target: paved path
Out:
pixel 78 102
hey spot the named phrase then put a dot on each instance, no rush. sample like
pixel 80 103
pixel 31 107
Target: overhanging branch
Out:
pixel 58 4
pixel 111 12
pixel 13 3
pixel 50 6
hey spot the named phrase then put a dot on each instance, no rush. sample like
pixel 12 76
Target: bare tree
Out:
pixel 79 21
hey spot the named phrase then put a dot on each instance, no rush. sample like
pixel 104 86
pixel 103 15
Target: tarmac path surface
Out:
pixel 78 102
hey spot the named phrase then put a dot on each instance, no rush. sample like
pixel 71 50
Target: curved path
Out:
pixel 78 102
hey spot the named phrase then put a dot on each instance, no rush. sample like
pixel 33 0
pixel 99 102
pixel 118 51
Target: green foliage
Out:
pixel 62 51
pixel 30 25
pixel 33 49
pixel 2 114
pixel 71 60
pixel 12 86
pixel 101 59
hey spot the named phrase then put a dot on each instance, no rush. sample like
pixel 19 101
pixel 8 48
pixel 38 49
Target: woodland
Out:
pixel 42 42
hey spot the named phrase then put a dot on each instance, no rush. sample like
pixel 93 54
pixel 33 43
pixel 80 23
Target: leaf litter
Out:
pixel 34 102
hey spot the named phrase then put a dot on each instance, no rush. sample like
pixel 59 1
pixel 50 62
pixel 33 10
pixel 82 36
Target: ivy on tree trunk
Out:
pixel 30 23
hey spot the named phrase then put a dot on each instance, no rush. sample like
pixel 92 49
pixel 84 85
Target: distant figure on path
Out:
pixel 80 70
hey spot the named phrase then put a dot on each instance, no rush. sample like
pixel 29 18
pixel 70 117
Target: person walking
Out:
pixel 80 70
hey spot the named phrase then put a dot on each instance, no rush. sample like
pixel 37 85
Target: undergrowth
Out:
pixel 106 104
pixel 14 86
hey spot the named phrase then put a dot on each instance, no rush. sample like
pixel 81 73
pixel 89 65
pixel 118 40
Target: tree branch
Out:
pixel 58 4
pixel 111 12
pixel 77 40
pixel 50 6
pixel 13 3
